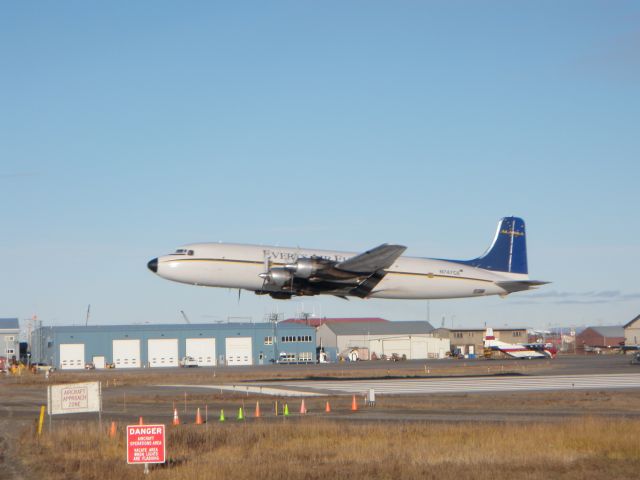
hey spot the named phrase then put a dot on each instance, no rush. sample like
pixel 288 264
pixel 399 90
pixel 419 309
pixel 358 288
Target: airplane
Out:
pixel 518 350
pixel 382 272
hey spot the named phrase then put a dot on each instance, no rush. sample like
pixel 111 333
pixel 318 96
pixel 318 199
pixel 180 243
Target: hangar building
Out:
pixel 411 339
pixel 600 339
pixel 163 345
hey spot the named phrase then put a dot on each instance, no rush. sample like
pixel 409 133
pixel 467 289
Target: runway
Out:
pixel 433 386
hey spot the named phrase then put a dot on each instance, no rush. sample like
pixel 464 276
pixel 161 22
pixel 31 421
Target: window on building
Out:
pixel 457 335
pixel 268 340
pixel 517 333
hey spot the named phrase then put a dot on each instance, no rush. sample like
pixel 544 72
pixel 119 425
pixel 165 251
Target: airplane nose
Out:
pixel 153 265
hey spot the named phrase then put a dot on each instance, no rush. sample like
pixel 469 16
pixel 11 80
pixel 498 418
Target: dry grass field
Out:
pixel 525 435
pixel 316 448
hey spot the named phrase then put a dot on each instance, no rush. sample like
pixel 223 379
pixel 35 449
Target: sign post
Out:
pixel 146 444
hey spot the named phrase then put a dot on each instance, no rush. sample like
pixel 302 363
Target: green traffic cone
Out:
pixel 222 415
pixel 286 410
pixel 240 414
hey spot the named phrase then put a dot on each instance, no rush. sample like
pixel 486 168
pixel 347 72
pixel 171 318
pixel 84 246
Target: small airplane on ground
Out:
pixel 284 272
pixel 518 350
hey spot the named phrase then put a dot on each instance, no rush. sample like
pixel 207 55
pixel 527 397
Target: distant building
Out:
pixel 9 341
pixel 163 345
pixel 411 340
pixel 632 332
pixel 470 341
pixel 600 339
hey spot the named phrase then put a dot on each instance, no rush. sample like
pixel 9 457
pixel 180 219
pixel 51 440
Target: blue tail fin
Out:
pixel 508 252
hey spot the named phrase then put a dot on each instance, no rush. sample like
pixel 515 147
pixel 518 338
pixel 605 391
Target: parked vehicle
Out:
pixel 188 362
pixel 42 367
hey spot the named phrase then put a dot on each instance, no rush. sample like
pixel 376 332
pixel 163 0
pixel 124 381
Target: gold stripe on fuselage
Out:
pixel 389 272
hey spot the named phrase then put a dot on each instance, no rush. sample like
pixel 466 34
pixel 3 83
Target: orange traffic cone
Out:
pixel 198 417
pixel 257 415
pixel 303 408
pixel 327 407
pixel 354 404
pixel 176 419
pixel 140 421
pixel 112 430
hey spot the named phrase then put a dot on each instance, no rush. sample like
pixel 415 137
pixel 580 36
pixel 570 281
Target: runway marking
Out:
pixel 307 388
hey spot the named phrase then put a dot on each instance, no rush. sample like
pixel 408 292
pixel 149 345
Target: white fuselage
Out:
pixel 239 266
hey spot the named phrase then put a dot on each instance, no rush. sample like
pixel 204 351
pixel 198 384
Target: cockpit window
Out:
pixel 183 251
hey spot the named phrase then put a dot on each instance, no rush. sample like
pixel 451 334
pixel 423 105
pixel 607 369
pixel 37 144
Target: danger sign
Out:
pixel 145 444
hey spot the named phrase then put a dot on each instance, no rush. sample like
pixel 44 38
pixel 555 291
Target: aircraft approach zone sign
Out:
pixel 74 398
pixel 145 444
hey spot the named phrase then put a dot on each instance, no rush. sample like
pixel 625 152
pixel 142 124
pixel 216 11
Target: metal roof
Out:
pixel 504 329
pixel 611 331
pixel 171 326
pixel 380 328
pixel 9 324
pixel 316 322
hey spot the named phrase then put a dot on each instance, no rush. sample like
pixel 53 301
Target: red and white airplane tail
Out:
pixel 518 350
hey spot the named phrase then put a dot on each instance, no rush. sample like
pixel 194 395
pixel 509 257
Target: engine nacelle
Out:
pixel 277 277
pixel 305 267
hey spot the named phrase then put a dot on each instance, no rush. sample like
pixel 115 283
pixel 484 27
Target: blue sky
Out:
pixel 130 128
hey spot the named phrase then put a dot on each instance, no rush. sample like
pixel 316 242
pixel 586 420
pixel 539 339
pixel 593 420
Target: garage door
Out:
pixel 399 346
pixel 71 355
pixel 126 353
pixel 419 348
pixel 163 352
pixel 238 351
pixel 203 350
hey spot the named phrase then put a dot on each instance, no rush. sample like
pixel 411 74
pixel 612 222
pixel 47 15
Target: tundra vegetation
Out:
pixel 320 448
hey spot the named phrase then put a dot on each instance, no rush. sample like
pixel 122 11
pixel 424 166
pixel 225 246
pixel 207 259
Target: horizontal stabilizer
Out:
pixel 372 260
pixel 520 285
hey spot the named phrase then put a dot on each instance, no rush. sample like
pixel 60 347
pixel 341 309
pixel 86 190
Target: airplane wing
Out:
pixel 357 275
pixel 372 260
pixel 520 285
pixel 371 263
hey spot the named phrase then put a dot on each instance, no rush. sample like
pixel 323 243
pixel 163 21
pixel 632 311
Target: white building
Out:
pixel 413 340
pixel 632 332
pixel 9 341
